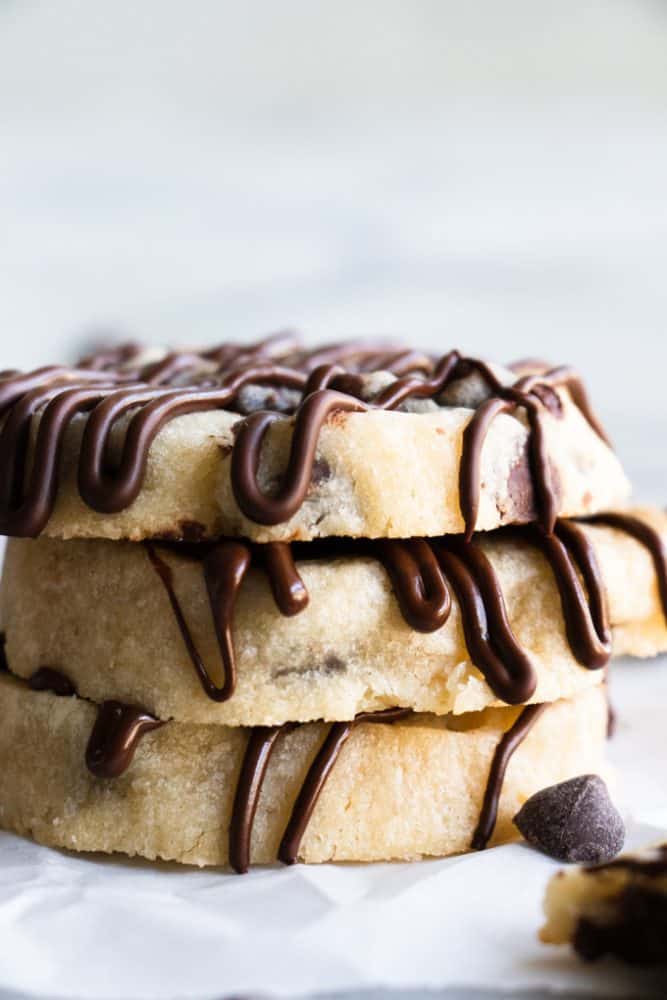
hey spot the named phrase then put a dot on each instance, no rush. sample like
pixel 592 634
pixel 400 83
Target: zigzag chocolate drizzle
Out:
pixel 113 385
pixel 421 571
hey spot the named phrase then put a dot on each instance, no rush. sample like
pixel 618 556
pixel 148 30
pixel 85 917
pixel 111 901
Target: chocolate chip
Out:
pixel 574 821
pixel 321 471
pixel 192 531
pixel 334 665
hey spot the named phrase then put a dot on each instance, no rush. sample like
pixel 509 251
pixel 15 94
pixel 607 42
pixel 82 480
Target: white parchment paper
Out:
pixel 95 927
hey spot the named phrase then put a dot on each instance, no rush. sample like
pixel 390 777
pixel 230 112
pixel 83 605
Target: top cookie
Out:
pixel 275 442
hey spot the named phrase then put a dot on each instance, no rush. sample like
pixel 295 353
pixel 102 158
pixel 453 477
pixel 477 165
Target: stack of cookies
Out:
pixel 266 603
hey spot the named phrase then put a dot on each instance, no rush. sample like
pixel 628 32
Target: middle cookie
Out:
pixel 200 634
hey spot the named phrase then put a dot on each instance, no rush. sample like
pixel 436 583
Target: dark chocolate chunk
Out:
pixel 574 821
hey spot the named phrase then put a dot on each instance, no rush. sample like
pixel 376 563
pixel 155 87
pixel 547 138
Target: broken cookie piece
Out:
pixel 616 909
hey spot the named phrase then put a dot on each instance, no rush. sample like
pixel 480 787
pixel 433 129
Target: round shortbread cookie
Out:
pixel 413 788
pixel 99 611
pixel 89 453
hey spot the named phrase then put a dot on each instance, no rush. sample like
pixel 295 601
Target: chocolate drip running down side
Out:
pixel 491 643
pixel 116 732
pixel 115 736
pixel 225 566
pixel 261 744
pixel 115 386
pixel 508 745
pixel 646 536
pixel 586 617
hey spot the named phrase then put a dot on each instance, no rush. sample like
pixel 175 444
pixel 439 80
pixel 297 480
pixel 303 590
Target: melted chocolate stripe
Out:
pixel 586 621
pixel 419 570
pixel 474 437
pixel 289 590
pixel 116 732
pixel 115 383
pixel 110 492
pixel 317 775
pixel 646 536
pixel 246 453
pixel 418 582
pixel 225 566
pixel 115 736
pixel 490 641
pixel 224 570
pixel 311 789
pixel 509 743
pixel 261 743
pixel 232 563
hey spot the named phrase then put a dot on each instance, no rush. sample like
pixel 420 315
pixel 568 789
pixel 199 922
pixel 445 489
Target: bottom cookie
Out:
pixel 417 786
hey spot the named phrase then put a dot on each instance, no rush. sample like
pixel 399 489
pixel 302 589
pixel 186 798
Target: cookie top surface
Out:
pixel 275 442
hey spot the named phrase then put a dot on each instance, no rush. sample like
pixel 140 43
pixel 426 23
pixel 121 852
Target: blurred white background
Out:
pixel 484 175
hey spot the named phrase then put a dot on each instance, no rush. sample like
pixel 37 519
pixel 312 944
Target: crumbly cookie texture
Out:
pixel 618 908
pixel 98 611
pixel 413 788
pixel 376 474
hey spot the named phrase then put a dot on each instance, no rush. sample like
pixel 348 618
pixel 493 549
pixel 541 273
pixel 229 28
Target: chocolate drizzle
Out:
pixel 418 581
pixel 586 618
pixel 261 743
pixel 421 571
pixel 646 536
pixel 117 386
pixel 115 737
pixel 116 732
pixel 289 590
pixel 225 566
pixel 491 643
pixel 509 743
